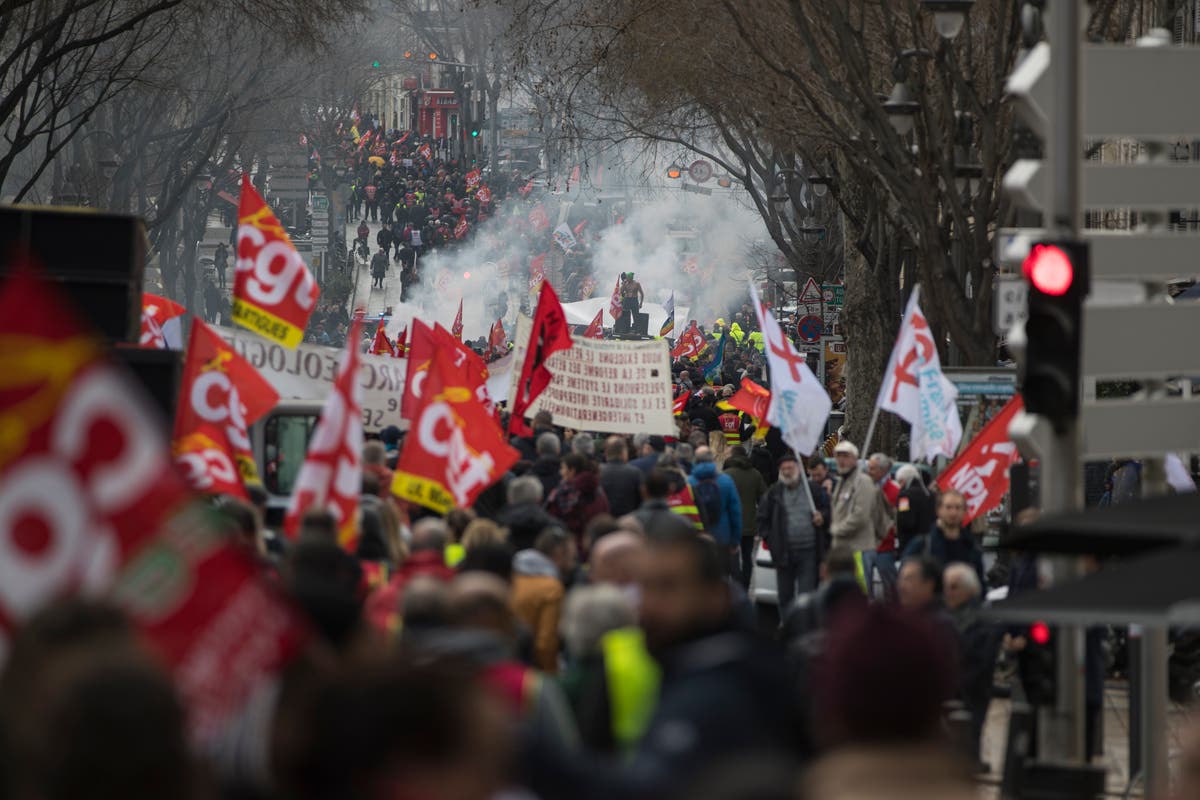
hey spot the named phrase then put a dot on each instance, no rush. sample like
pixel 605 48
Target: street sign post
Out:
pixel 1009 306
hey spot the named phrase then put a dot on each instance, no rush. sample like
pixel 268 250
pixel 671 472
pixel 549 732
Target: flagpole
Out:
pixel 866 446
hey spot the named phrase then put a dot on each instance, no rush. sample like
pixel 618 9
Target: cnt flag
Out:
pixel 668 325
pixel 331 477
pixel 981 470
pixel 799 405
pixel 274 293
pixel 456 327
pixel 85 477
pixel 220 397
pixel 548 335
pixel 915 389
pixel 595 329
pixel 156 313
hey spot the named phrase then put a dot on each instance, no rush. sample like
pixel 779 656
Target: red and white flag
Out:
pixel 425 343
pixel 537 272
pixel 915 389
pixel 273 293
pixel 454 449
pixel 484 195
pixel 751 398
pixel 220 397
pixel 526 189
pixel 331 477
pixel 799 406
pixel 981 470
pixel 549 334
pixel 498 339
pixel 595 330
pixel 538 218
pixel 680 403
pixel 425 151
pixel 473 178
pixel 456 328
pixel 156 313
pixel 85 477
pixel 460 228
pixel 381 346
pixel 614 305
pixel 690 343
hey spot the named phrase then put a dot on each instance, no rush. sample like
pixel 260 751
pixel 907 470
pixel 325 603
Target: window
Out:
pixel 285 441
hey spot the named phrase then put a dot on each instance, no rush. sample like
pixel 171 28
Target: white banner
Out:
pixel 604 386
pixel 307 373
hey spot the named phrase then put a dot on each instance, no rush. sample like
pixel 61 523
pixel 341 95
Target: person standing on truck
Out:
pixel 632 298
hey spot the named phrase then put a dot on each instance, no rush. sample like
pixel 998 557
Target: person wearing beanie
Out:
pixel 791 520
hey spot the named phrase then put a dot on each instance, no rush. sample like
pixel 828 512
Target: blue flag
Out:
pixel 713 371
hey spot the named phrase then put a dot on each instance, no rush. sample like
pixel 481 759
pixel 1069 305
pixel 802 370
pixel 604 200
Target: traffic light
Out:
pixel 1037 665
pixel 474 133
pixel 1057 274
pixel 376 64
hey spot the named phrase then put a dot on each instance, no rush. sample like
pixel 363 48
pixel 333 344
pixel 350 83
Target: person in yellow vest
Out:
pixel 737 333
pixel 756 339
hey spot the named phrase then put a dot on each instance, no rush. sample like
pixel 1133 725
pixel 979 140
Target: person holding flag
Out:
pixel 712 373
pixel 595 329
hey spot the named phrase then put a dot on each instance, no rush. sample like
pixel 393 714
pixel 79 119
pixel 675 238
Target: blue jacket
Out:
pixel 728 529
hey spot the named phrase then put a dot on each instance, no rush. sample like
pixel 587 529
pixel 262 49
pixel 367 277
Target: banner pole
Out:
pixel 866 445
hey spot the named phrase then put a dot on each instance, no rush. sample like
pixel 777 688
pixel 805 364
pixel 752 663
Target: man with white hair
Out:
pixel 854 505
pixel 546 468
pixel 978 643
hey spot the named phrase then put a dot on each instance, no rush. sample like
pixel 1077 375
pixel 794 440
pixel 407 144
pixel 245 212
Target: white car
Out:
pixel 762 578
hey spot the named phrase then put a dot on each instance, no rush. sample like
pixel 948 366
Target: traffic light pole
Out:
pixel 1061 728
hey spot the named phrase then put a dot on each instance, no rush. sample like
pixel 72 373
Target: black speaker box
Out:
pixel 641 324
pixel 97 259
pixel 158 372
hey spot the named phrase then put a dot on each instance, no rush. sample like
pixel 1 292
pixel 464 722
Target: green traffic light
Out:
pixel 376 64
pixel 474 133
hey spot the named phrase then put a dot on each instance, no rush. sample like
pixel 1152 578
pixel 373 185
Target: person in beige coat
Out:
pixel 859 514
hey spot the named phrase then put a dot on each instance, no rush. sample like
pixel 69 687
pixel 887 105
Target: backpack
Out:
pixel 708 501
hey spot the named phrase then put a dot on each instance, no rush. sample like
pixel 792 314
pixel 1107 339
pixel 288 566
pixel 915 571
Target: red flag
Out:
pixel 460 228
pixel 85 478
pixel 498 339
pixel 537 272
pixel 220 397
pixel 425 151
pixel 202 604
pixel 455 449
pixel 549 334
pixel 426 341
pixel 473 178
pixel 274 293
pixel 578 229
pixel 484 195
pixel 456 327
pixel 752 399
pixel 680 403
pixel 614 305
pixel 331 476
pixel 526 189
pixel 595 330
pixel 574 175
pixel 381 346
pixel 690 343
pixel 401 348
pixel 156 311
pixel 538 218
pixel 980 471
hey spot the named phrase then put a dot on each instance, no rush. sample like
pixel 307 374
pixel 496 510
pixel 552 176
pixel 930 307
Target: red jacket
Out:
pixel 891 492
pixel 576 502
pixel 383 605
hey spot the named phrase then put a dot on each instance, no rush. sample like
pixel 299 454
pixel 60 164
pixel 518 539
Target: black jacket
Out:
pixel 772 526
pixel 914 513
pixel 545 469
pixel 525 521
pixel 622 484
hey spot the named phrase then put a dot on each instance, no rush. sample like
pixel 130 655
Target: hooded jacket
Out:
pixel 537 595
pixel 750 487
pixel 727 530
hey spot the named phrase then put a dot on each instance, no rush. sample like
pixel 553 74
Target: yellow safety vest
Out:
pixel 757 340
pixel 453 554
pixel 860 574
pixel 632 677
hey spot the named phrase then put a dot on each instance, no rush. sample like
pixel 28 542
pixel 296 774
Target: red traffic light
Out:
pixel 1049 269
pixel 1039 633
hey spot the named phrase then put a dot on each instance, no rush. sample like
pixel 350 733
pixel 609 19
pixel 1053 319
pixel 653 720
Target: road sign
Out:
pixel 810 328
pixel 1131 427
pixel 1010 304
pixel 1154 186
pixel 700 171
pixel 811 294
pixel 1155 256
pixel 1139 341
pixel 319 203
pixel 834 294
pixel 687 187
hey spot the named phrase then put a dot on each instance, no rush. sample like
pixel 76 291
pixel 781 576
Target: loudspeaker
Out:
pixel 641 324
pixel 158 372
pixel 97 259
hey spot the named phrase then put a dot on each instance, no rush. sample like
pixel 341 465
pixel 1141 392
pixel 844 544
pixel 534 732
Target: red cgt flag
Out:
pixel 85 479
pixel 425 151
pixel 537 272
pixel 331 476
pixel 274 293
pixel 460 228
pixel 473 178
pixel 426 341
pixel 220 397
pixel 549 334
pixel 484 195
pixel 595 329
pixel 498 339
pixel 614 305
pixel 456 327
pixel 454 449
pixel 690 343
pixel 680 403
pixel 980 471
pixel 156 312
pixel 752 399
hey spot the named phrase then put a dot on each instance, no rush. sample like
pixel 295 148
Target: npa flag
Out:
pixel 915 389
pixel 799 406
pixel 981 470
pixel 669 323
pixel 273 293
pixel 460 228
pixel 381 346
pixel 331 477
pixel 548 335
pixel 689 344
pixel 426 341
pixel 538 218
pixel 595 329
pixel 85 477
pixel 454 449
pixel 498 339
pixel 713 371
pixel 614 305
pixel 220 397
pixel 484 195
pixel 537 272
pixel 456 327
pixel 156 312
pixel 751 399
pixel 473 178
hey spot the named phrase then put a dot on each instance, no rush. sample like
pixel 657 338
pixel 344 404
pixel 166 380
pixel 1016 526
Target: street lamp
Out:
pixel 674 172
pixel 968 171
pixel 949 16
pixel 901 108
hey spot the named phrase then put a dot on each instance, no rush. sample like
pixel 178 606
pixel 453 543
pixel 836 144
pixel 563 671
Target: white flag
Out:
pixel 915 389
pixel 799 405
pixel 564 238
